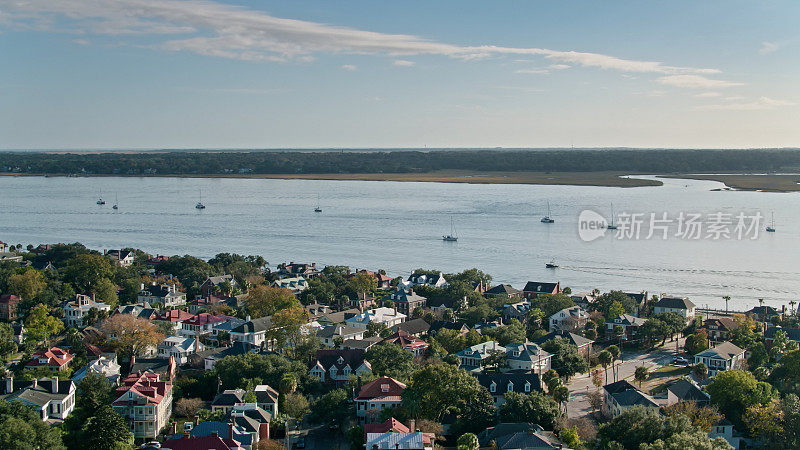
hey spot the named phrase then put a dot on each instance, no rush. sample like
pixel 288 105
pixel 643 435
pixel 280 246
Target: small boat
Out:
pixel 452 236
pixel 116 202
pixel 771 227
pixel 100 200
pixel 611 226
pixel 551 265
pixel 318 209
pixel 547 219
pixel 200 204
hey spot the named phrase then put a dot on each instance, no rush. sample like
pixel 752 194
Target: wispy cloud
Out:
pixel 348 67
pixel 708 94
pixel 769 47
pixel 760 104
pixel 215 29
pixel 695 82
pixel 402 63
pixel 81 41
pixel 533 71
pixel 558 66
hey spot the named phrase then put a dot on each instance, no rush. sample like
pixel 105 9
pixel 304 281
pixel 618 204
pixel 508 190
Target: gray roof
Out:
pixel 688 392
pixel 515 436
pixel 725 350
pixel 413 326
pixel 675 303
pixel 792 333
pixel 502 379
pixel 41 394
pixel 626 394
pixel 528 351
pixel 254 326
pixel 501 289
pixel 339 330
pixel 340 316
pixel 573 338
pixel 539 287
pixel 229 397
pixel 627 319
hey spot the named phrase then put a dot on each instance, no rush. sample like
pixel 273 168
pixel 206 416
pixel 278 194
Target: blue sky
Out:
pixel 299 73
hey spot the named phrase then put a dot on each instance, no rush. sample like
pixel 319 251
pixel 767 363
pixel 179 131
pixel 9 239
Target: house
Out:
pixel 397 441
pixel 201 324
pixel 387 316
pixel 763 313
pixel 584 299
pixel 227 399
pixel 680 305
pixel 471 358
pixel 362 301
pixel 584 345
pixel 337 317
pixel 411 344
pixel 498 384
pixel 145 402
pixel 363 344
pixel 330 334
pixel 297 270
pixel 141 311
pixel 377 395
pixel 214 285
pixel 640 300
pixel 267 398
pixel 165 294
pixel 630 325
pixel 793 334
pixel 165 368
pixel 76 311
pixel 336 365
pixel 392 425
pixel 534 289
pixel 212 302
pixel 174 317
pixel 212 442
pixel 381 279
pixel 507 436
pixel 8 307
pixel 250 424
pixel 52 398
pixel 458 327
pixel 406 301
pixel 720 328
pixel 502 290
pixel 294 284
pixel 723 356
pixel 518 311
pixel 414 327
pixel 208 358
pixel 104 365
pixel 527 357
pixel 621 395
pixel 122 258
pixel 684 390
pixel 53 358
pixel 570 319
pixel 253 331
pixel 421 279
pixel 179 347
pixel 725 430
pixel 315 310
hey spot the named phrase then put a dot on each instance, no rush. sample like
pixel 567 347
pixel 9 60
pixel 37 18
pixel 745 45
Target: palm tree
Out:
pixel 605 359
pixel 561 395
pixel 761 307
pixel 727 298
pixel 791 304
pixel 615 352
pixel 288 384
pixel 641 374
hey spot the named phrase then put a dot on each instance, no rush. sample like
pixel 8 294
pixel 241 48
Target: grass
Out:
pixel 748 182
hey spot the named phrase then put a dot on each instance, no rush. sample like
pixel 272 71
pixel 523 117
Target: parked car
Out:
pixel 151 445
pixel 680 361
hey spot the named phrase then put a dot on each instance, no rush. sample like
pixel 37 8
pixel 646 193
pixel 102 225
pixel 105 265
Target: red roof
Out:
pixel 145 383
pixel 175 315
pixel 55 356
pixel 206 318
pixel 201 443
pixel 406 341
pixel 381 387
pixel 9 298
pixel 393 425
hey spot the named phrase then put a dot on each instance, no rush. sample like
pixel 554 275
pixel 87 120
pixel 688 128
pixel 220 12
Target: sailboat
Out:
pixel 200 204
pixel 547 219
pixel 318 209
pixel 116 202
pixel 611 226
pixel 452 236
pixel 100 200
pixel 771 227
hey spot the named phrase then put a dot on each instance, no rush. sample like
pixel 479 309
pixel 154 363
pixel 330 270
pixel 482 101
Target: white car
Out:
pixel 680 361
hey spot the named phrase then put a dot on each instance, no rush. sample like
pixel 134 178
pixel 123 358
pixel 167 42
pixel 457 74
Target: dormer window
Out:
pixel 340 360
pixel 510 387
pixel 527 386
pixel 384 388
pixel 493 387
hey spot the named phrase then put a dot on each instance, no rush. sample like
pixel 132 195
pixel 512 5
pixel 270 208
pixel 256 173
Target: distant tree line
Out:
pixel 328 162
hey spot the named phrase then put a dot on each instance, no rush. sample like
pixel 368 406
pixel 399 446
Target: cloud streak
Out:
pixel 214 29
pixel 757 105
pixel 695 82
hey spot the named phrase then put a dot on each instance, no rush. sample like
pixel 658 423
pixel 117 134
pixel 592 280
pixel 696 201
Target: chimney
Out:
pixel 247 319
pixel 173 427
pixel 196 420
pixel 54 385
pixel 214 433
pixel 35 383
pixel 9 385
pixel 197 343
pixel 230 430
pixel 141 286
pixel 412 425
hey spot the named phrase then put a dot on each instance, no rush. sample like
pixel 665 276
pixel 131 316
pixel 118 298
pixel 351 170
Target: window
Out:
pixel 510 387
pixel 492 387
pixel 527 386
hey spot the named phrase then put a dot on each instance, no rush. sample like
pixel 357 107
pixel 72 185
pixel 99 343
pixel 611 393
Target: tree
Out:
pixel 265 301
pixel 533 408
pixel 40 325
pixel 188 407
pixel 22 428
pixel 375 329
pixel 332 408
pixel 85 271
pixel 364 283
pixel 132 335
pixel 389 359
pixel 106 292
pixel 504 335
pixel 94 392
pixel 700 371
pixel 673 321
pixel 641 374
pixel 595 400
pixel 689 439
pixel 295 405
pixel 8 345
pixel 597 379
pixel 26 285
pixel 733 391
pixel 654 330
pixel 570 437
pixel 288 384
pixel 640 425
pixel 702 417
pixel 561 395
pixel 495 360
pixel 615 352
pixel 467 441
pixel 265 368
pixel 287 327
pixel 696 343
pixel 566 360
pixel 106 430
pixel 605 359
pixel 765 421
pixel 613 304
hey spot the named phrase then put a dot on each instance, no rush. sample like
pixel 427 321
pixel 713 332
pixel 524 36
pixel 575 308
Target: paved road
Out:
pixel 579 386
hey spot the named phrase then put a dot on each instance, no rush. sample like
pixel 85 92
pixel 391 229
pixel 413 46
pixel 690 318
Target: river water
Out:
pixel 398 227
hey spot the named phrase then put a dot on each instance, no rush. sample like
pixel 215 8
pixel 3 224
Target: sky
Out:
pixel 129 74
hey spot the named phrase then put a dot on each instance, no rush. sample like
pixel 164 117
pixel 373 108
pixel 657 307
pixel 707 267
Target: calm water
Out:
pixel 398 227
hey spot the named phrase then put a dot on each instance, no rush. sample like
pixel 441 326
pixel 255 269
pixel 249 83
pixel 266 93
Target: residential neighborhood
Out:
pixel 230 353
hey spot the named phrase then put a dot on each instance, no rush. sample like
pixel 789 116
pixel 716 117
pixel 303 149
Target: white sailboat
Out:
pixel 547 219
pixel 200 204
pixel 611 226
pixel 771 227
pixel 116 202
pixel 318 209
pixel 100 200
pixel 452 236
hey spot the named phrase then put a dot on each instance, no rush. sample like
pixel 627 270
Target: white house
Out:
pixel 724 356
pixel 330 333
pixel 50 397
pixel 178 347
pixel 294 284
pixel 415 279
pixel 680 305
pixel 123 258
pixel 165 294
pixel 528 357
pixel 76 311
pixel 253 331
pixel 377 395
pixel 387 316
pixel 622 395
pixel 572 318
pixel 470 358
pixel 331 365
pixel 104 365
